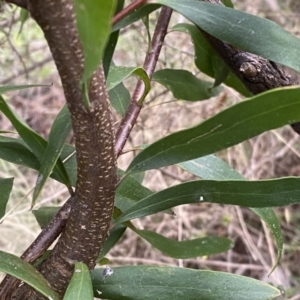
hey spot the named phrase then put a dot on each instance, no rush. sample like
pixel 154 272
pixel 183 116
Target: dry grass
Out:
pixel 270 155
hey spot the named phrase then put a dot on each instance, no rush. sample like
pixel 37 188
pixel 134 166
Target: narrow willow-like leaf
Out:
pixel 33 140
pixel 6 185
pixel 165 283
pixel 111 44
pixel 24 14
pixel 185 86
pixel 212 167
pixel 129 192
pixel 119 98
pixel 45 214
pixel 11 88
pixel 117 74
pixel 208 61
pixel 80 286
pixel 93 22
pixel 186 249
pixel 242 30
pixel 17 152
pixel 263 193
pixel 16 267
pixel 238 123
pixel 60 130
pixel 114 236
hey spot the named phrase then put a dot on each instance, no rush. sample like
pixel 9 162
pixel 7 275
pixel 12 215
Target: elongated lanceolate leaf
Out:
pixel 242 30
pixel 93 21
pixel 112 42
pixel 60 130
pixel 240 122
pixel 212 167
pixel 6 185
pixel 80 286
pixel 185 86
pixel 206 58
pixel 114 236
pixel 186 249
pixel 33 140
pixel 263 193
pixel 165 283
pixel 119 98
pixel 16 267
pixel 117 74
pixel 10 88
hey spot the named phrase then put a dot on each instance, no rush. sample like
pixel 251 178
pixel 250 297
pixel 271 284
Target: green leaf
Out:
pixel 185 86
pixel 114 236
pixel 263 193
pixel 45 214
pixel 11 88
pixel 16 151
pixel 16 267
pixel 165 283
pixel 230 127
pixel 94 23
pixel 60 130
pixel 117 74
pixel 228 3
pixel 206 59
pixel 80 286
pixel 33 140
pixel 119 98
pixel 186 249
pixel 212 167
pixel 24 15
pixel 129 192
pixel 135 16
pixel 242 30
pixel 112 42
pixel 6 185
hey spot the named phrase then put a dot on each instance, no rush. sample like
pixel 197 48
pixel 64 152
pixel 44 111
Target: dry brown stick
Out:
pixel 134 108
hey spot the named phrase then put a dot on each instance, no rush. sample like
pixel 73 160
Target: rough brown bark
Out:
pixel 88 224
pixel 256 73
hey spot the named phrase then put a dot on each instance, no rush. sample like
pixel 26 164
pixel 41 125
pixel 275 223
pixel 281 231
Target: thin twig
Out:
pixel 22 72
pixel 149 65
pixel 127 10
pixel 42 242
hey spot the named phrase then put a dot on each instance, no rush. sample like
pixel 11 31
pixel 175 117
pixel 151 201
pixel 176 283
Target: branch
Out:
pixel 256 73
pixel 89 220
pixel 42 242
pixel 127 10
pixel 149 65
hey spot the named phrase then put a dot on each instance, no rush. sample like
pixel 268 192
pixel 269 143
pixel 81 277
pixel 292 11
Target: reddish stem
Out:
pixel 127 10
pixel 149 65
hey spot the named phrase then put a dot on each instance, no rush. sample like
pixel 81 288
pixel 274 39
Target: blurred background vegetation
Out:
pixel 25 59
